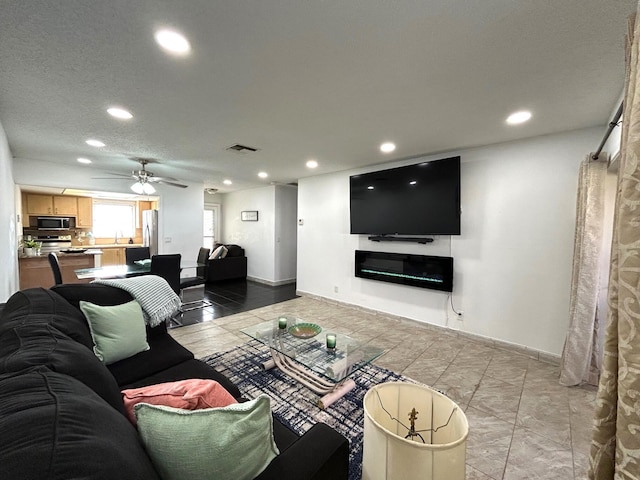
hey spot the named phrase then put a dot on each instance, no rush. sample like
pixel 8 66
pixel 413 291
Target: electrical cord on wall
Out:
pixel 452 307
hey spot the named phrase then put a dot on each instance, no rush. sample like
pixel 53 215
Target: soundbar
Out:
pixel 385 238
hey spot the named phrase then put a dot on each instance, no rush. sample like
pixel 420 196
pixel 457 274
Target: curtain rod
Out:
pixel 613 124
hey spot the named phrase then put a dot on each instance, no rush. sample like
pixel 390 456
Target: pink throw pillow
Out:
pixel 192 394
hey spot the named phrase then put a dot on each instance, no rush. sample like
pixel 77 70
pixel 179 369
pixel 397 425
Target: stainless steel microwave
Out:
pixel 53 223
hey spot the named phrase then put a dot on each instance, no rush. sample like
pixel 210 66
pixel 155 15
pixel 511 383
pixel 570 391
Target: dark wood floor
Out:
pixel 228 298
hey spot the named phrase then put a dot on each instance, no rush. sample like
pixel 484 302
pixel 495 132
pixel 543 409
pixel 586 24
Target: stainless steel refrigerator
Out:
pixel 150 230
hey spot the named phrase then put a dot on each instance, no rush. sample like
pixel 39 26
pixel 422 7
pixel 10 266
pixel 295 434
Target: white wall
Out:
pixel 512 263
pixel 257 238
pixel 286 233
pixel 181 209
pixel 269 243
pixel 8 231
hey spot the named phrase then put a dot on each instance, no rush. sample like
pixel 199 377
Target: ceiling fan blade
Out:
pixel 123 175
pixel 111 178
pixel 152 178
pixel 171 183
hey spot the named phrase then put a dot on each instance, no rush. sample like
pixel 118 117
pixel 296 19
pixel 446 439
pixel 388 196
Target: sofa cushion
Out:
pixel 54 427
pixel 216 253
pixel 190 394
pixel 104 295
pixel 99 294
pixel 190 368
pixel 118 331
pixel 39 305
pixel 164 352
pixel 41 344
pixel 234 250
pixel 209 443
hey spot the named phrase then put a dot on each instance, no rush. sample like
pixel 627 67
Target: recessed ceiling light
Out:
pixel 120 113
pixel 413 182
pixel 173 42
pixel 518 117
pixel 84 160
pixel 370 187
pixel 387 147
pixel 227 182
pixel 94 143
pixel 312 164
pixel 263 174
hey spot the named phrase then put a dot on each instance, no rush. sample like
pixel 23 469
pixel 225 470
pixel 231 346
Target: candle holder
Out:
pixel 331 342
pixel 282 323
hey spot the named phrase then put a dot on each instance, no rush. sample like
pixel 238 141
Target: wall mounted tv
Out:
pixel 420 199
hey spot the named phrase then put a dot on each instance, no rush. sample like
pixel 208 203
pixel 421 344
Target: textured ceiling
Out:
pixel 300 80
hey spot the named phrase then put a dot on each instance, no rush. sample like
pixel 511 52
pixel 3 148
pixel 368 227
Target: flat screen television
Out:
pixel 420 199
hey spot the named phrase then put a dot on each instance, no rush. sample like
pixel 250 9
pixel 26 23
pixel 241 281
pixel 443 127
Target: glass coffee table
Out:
pixel 299 349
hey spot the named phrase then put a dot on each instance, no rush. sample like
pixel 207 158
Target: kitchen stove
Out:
pixel 53 243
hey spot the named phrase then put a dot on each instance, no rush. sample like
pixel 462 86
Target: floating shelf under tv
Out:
pixel 385 238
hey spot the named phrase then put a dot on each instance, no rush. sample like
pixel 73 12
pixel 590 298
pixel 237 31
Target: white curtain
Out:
pixel 580 357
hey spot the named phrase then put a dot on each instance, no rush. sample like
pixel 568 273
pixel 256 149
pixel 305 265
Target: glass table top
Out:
pixel 115 271
pixel 348 356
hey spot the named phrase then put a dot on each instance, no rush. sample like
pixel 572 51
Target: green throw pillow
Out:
pixel 229 442
pixel 118 331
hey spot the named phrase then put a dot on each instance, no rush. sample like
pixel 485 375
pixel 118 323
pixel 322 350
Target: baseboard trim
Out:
pixel 491 342
pixel 271 283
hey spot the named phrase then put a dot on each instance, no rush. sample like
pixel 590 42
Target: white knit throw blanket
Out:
pixel 158 300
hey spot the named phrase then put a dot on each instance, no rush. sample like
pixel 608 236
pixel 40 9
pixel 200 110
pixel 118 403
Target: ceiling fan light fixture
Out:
pixel 148 189
pixel 137 188
pixel 143 188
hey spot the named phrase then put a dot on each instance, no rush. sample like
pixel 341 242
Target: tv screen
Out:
pixel 420 199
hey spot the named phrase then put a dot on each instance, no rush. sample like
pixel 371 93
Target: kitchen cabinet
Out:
pixel 65 205
pixel 51 205
pixel 39 204
pixel 112 256
pixel 84 218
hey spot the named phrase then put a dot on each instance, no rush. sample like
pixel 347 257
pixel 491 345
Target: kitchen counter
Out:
pixel 91 251
pixel 36 272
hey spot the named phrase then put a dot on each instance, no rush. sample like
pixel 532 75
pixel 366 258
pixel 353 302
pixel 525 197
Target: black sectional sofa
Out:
pixel 61 410
pixel 232 266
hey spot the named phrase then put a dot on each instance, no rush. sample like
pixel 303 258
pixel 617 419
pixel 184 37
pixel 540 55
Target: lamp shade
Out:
pixel 387 454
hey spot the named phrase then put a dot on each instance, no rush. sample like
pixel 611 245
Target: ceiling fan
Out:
pixel 144 178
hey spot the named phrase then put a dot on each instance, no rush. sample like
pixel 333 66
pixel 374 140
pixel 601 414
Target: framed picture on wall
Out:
pixel 249 216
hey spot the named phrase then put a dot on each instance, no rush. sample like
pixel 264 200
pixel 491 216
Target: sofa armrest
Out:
pixel 321 453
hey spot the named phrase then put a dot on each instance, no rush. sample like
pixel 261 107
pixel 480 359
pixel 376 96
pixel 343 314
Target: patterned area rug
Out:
pixel 295 405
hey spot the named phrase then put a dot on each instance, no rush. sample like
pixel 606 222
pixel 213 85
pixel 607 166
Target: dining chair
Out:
pixel 199 279
pixel 133 254
pixel 55 268
pixel 168 267
pixel 201 272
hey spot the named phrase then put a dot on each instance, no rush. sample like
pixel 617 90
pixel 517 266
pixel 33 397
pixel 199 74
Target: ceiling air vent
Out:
pixel 242 148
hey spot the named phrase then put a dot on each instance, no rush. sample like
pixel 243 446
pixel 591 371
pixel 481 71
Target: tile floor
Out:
pixel 523 424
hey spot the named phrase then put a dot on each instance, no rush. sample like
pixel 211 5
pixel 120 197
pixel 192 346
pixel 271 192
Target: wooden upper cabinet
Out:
pixel 39 204
pixel 85 212
pixel 51 205
pixel 65 205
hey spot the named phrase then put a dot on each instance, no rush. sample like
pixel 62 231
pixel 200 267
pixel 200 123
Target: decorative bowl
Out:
pixel 304 330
